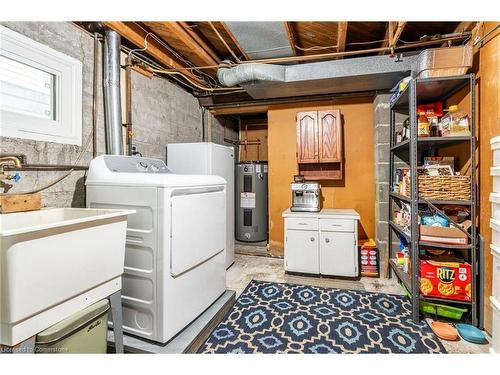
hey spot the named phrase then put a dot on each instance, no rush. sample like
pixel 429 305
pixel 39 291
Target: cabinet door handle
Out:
pixel 312 239
pixel 327 240
pixel 302 223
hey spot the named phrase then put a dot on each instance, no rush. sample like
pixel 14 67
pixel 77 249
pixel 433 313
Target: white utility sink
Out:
pixel 54 262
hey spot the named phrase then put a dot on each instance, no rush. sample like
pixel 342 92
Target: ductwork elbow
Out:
pixel 246 73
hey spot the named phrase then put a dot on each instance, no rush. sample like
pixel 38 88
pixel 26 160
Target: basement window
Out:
pixel 40 91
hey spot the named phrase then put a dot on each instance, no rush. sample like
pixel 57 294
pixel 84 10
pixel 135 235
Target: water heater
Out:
pixel 251 201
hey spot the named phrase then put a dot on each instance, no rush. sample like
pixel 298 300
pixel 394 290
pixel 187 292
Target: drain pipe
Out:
pixel 112 95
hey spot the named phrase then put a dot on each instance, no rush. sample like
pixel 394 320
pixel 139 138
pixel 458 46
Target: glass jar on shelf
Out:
pixel 423 129
pixel 455 123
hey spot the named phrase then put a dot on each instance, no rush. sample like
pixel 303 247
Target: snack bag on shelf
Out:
pixel 449 280
pixel 455 123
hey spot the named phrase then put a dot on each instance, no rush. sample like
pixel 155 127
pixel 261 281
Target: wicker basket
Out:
pixel 449 188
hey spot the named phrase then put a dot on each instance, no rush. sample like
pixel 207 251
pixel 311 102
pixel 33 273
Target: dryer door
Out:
pixel 198 229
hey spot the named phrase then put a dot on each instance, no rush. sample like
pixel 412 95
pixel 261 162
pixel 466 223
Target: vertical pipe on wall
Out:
pixel 239 138
pixel 112 96
pixel 203 110
pixel 128 104
pixel 94 95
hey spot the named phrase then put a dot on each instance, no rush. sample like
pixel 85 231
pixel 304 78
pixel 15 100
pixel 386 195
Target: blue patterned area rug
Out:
pixel 287 318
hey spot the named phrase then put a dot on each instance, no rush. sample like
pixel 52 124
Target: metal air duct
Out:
pixel 112 95
pixel 264 81
pixel 230 77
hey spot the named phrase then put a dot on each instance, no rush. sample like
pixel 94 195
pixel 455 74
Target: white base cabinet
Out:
pixel 322 243
pixel 302 248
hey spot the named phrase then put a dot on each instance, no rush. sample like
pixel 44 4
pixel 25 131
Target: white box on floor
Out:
pixel 495 332
pixel 495 251
pixel 495 205
pixel 495 232
pixel 495 147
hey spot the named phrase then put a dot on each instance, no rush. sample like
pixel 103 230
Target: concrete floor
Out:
pixel 247 267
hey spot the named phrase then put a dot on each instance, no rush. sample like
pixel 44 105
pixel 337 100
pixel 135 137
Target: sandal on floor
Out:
pixel 444 330
pixel 470 333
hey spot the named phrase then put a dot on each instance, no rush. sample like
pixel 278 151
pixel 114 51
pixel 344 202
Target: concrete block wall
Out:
pixel 68 39
pixel 381 118
pixel 162 113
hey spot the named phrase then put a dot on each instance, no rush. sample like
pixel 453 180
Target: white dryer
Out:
pixel 175 253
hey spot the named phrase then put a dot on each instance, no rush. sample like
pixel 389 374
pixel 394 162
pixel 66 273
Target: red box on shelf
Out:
pixel 431 109
pixel 448 280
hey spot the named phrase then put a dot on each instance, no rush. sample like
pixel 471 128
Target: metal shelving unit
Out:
pixel 425 91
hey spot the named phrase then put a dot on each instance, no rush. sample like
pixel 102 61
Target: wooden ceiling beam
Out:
pixel 227 30
pixel 463 27
pixel 393 33
pixel 292 38
pixel 136 36
pixel 250 109
pixel 200 41
pixel 397 33
pixel 341 36
pixel 187 37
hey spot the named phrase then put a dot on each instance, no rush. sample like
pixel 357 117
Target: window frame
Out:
pixel 67 126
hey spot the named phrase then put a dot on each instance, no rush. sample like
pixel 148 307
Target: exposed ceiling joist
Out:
pixel 178 31
pixel 226 29
pixel 393 33
pixel 200 41
pixel 463 27
pixel 248 109
pixel 136 35
pixel 341 36
pixel 397 33
pixel 292 38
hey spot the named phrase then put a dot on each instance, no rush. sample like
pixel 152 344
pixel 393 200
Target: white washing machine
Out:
pixel 175 261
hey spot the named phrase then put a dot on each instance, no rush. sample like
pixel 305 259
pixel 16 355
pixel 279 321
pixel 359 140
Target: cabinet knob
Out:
pixel 327 240
pixel 312 239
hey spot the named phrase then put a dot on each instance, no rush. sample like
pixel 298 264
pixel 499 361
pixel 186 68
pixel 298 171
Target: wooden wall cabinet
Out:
pixel 319 144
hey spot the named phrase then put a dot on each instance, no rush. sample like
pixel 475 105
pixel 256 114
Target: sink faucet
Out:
pixel 4 160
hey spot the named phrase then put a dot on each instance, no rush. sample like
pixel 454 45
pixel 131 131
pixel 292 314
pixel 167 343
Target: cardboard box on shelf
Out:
pixel 445 235
pixel 441 62
pixel 450 280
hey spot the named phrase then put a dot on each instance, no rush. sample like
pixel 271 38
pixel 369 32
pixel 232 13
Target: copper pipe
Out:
pixel 348 53
pixel 12 159
pixel 334 54
pixel 246 141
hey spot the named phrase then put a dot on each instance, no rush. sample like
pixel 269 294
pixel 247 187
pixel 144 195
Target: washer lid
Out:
pixel 140 171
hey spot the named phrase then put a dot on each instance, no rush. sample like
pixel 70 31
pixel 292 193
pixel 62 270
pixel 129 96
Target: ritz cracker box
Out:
pixel 451 280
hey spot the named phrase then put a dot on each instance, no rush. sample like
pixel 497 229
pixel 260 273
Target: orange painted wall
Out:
pixel 487 91
pixel 357 191
pixel 489 127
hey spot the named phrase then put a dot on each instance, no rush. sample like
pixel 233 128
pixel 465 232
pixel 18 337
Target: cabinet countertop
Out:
pixel 325 213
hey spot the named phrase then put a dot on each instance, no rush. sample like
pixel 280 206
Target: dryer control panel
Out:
pixel 134 164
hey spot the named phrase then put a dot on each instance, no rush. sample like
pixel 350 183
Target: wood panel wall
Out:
pixel 489 127
pixel 252 152
pixel 356 190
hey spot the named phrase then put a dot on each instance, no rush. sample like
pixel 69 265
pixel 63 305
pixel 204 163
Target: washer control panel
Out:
pixel 134 164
